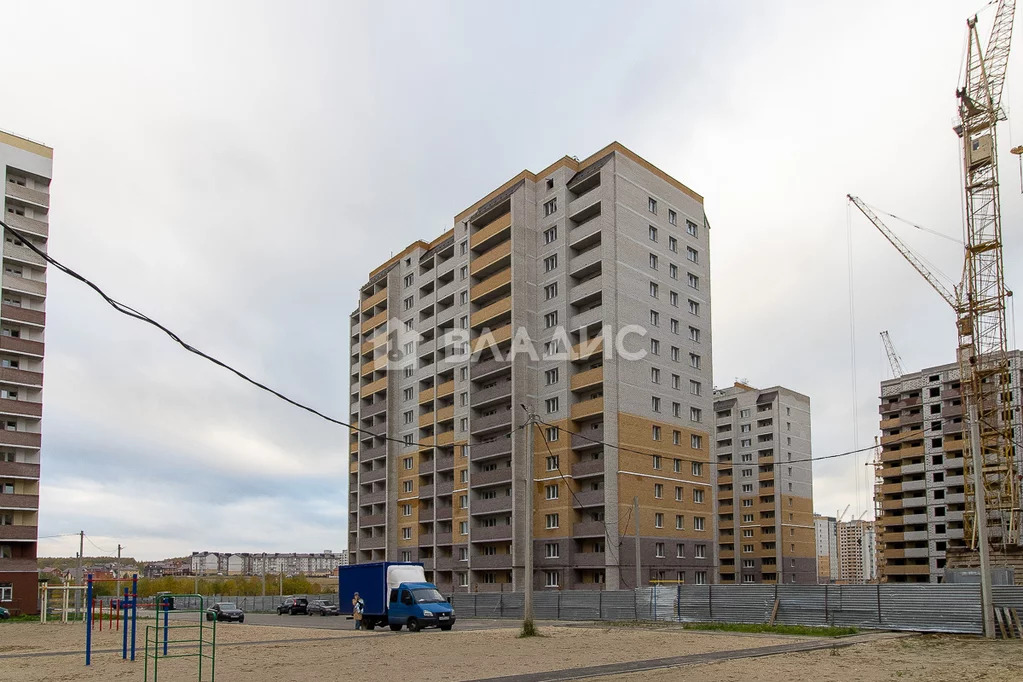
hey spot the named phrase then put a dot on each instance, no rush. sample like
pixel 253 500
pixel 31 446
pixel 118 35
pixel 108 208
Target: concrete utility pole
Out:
pixel 118 571
pixel 528 628
pixel 263 572
pixel 635 516
pixel 980 523
pixel 80 577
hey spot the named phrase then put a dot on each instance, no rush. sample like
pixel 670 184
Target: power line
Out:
pixel 105 552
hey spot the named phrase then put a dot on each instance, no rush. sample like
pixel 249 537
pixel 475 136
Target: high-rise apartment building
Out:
pixel 826 538
pixel 764 485
pixel 27 169
pixel 920 490
pixel 582 293
pixel 857 552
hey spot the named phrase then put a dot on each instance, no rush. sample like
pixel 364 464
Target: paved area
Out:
pixel 343 623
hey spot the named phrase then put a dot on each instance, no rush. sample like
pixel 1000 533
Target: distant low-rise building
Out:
pixel 259 563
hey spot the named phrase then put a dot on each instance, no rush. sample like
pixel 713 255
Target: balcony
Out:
pixel 491 533
pixel 373 475
pixel 373 498
pixel 490 235
pixel 588 560
pixel 488 367
pixel 372 543
pixel 588 408
pixel 501 419
pixel 21 438
pixel 588 498
pixel 498 504
pixel 15 501
pixel 500 309
pixel 371 388
pixel 23 346
pixel 585 350
pixel 499 447
pixel 444 538
pixel 589 529
pixel 446 463
pixel 30 225
pixel 494 337
pixel 445 486
pixel 426 419
pixel 21 470
pixel 374 409
pixel 498 284
pixel 483 562
pixel 426 466
pixel 446 414
pixel 492 261
pixel 446 389
pixel 485 396
pixel 585 438
pixel 372 520
pixel 425 491
pixel 378 297
pixel 502 474
pixel 588 467
pixel 444 513
pixel 19 532
pixel 586 263
pixel 588 379
pixel 27 194
pixel 22 254
pixel 21 407
pixel 594 317
pixel 590 290
pixel 374 322
pixel 20 377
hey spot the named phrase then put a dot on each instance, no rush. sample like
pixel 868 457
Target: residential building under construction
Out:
pixel 600 268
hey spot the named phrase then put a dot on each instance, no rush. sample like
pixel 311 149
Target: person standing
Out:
pixel 358 605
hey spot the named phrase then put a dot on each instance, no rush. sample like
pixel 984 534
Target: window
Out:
pixel 463 553
pixel 698 523
pixel 551 521
pixel 747 487
pixel 677 464
pixel 655 318
pixel 655 404
pixel 550 262
pixel 694 387
pixel 550 207
pixel 408 464
pixel 747 503
pixel 676 411
pixel 6 592
pixel 659 549
pixel 679 522
pixel 406 533
pixel 550 320
pixel 463 527
pixel 680 551
pixel 406 486
pixel 697 496
pixel 409 302
pixel 550 579
pixel 695 442
pixel 464 398
pixel 694 307
pixel 676 439
pixel 694 361
pixel 408 439
pixel 409 416
pixel 672 217
pixel 657 458
pixel 551 550
pixel 551 376
pixel 655 347
pixel 463 248
pixel 652 233
pixel 463 297
pixel 463 501
pixel 552 463
pixel 551 405
pixel 672 270
pixel 550 291
pixel 550 235
pixel 653 289
pixel 747 518
pixel 464 475
pixel 675 354
pixel 651 205
pixel 408 393
pixel 694 334
pixel 550 183
pixel 409 279
pixel 701 578
pixel 655 375
pixel 406 555
pixel 658 520
pixel 697 468
pixel 694 281
pixel 695 414
pixel 673 298
pixel 701 551
pixel 406 510
pixel 676 381
pixel 692 255
pixel 653 261
pixel 551 491
pixel 744 428
pixel 674 326
pixel 553 432
pixel 658 490
pixel 691 228
pixel 744 414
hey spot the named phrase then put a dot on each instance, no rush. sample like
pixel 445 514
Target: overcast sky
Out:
pixel 235 169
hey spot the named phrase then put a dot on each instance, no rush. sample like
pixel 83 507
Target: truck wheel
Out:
pixel 369 624
pixel 395 628
pixel 413 625
pixel 445 628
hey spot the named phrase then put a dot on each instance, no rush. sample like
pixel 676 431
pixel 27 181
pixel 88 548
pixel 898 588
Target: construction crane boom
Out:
pixel 950 296
pixel 893 357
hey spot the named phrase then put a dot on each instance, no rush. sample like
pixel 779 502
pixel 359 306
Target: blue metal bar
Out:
pixel 88 621
pixel 123 608
pixel 134 610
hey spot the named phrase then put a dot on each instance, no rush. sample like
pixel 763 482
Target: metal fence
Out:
pixel 925 608
pixel 258 604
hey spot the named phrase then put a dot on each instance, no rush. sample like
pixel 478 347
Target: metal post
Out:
pixel 88 622
pixel 124 635
pixel 134 610
pixel 79 576
pixel 980 523
pixel 527 614
pixel 166 622
pixel 263 572
pixel 635 515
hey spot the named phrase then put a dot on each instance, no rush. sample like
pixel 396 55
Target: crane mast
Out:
pixel 893 356
pixel 983 352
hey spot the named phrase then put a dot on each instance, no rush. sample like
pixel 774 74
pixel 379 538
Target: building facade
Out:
pixel 920 491
pixel 764 486
pixel 826 539
pixel 581 292
pixel 260 563
pixel 27 170
pixel 857 552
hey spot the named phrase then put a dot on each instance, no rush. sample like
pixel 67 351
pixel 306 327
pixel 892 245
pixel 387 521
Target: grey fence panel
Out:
pixel 1008 596
pixel 742 603
pixel 513 604
pixel 464 605
pixel 694 604
pixel 618 605
pixel 853 606
pixel 488 605
pixel 802 604
pixel 932 608
pixel 546 605
pixel 580 605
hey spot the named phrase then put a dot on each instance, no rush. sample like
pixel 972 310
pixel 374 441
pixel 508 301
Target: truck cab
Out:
pixel 418 606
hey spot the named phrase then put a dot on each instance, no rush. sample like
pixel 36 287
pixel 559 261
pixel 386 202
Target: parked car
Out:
pixel 225 611
pixel 5 614
pixel 323 608
pixel 293 606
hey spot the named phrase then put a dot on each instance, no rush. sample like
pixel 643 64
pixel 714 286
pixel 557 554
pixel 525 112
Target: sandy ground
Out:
pixel 345 654
pixel 925 657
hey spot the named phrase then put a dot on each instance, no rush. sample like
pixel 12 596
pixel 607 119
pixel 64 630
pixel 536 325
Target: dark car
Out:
pixel 293 606
pixel 323 608
pixel 5 614
pixel 225 611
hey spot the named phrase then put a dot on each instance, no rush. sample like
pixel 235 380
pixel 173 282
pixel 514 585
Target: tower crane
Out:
pixel 893 357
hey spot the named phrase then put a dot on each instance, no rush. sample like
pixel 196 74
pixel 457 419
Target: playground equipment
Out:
pixel 201 633
pixel 64 600
pixel 129 604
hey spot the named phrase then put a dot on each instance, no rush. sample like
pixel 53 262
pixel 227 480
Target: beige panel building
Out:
pixel 27 168
pixel 578 262
pixel 857 552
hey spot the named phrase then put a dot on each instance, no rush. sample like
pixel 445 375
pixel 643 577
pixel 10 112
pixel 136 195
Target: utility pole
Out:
pixel 263 572
pixel 118 571
pixel 980 523
pixel 80 577
pixel 528 628
pixel 635 516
